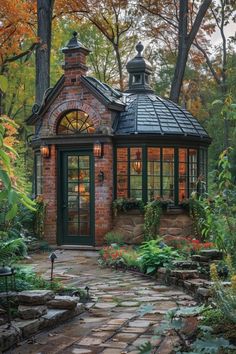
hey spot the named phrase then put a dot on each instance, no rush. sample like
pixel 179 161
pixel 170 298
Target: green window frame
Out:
pixel 38 174
pixel 167 172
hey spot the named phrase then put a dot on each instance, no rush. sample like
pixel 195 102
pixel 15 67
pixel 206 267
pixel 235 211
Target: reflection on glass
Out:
pixel 154 173
pixel 168 173
pixel 192 171
pixel 78 195
pixel 183 171
pixel 75 122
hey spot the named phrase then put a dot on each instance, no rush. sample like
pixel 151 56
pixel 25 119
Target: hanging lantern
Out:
pixel 97 149
pixel 137 164
pixel 45 150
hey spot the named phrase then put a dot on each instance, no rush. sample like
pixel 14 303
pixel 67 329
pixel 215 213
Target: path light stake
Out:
pixel 52 258
pixel 87 290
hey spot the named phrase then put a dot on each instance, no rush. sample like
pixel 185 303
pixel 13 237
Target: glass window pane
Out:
pixel 183 155
pixel 136 193
pixel 122 154
pixel 136 164
pixel 75 122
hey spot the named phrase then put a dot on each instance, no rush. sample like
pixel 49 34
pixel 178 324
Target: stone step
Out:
pixel 187 265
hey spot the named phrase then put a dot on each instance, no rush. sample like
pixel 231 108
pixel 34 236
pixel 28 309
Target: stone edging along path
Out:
pixel 37 310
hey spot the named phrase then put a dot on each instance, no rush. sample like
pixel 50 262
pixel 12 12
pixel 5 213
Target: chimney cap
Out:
pixel 75 44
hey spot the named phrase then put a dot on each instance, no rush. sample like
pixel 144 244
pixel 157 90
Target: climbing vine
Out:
pixel 152 216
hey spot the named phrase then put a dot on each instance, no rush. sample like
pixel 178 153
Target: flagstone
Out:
pixel 90 341
pixel 105 305
pixel 133 329
pixel 129 303
pixel 126 337
pixel 139 323
pixel 111 351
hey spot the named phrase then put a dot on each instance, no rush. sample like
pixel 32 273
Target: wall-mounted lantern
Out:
pixel 97 149
pixel 137 165
pixel 101 176
pixel 45 150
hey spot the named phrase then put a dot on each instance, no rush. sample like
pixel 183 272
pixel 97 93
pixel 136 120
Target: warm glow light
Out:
pixel 137 165
pixel 45 151
pixel 97 149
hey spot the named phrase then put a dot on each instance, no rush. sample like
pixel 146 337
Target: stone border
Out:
pixel 21 329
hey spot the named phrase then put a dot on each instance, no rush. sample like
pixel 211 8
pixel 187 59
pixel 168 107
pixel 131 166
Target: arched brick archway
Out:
pixel 61 108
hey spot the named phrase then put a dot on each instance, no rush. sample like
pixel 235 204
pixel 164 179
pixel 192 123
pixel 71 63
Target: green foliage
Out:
pixel 10 249
pixel 226 301
pixel 212 317
pixel 131 260
pixel 216 215
pixel 145 348
pixel 114 237
pixel 154 254
pixel 152 215
pixel 125 204
pixel 3 83
pixel 27 279
pixel 198 214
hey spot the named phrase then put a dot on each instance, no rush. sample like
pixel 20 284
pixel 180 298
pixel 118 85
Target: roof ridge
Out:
pixel 163 101
pixel 183 110
pixel 157 115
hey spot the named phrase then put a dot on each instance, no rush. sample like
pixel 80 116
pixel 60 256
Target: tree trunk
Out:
pixel 185 41
pixel 44 13
pixel 182 52
pixel 118 58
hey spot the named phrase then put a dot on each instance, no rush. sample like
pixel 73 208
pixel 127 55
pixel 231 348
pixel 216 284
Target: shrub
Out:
pixel 152 217
pixel 114 237
pixel 155 254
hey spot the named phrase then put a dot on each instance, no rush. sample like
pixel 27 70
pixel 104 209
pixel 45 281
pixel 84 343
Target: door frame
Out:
pixel 60 182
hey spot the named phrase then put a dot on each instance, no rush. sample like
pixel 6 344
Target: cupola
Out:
pixel 139 70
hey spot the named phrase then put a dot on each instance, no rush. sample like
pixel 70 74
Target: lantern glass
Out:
pixel 97 149
pixel 137 164
pixel 45 151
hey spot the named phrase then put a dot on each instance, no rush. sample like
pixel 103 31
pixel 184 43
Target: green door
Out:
pixel 76 200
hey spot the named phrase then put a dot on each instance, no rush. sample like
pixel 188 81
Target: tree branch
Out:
pixel 21 55
pixel 209 63
pixel 198 20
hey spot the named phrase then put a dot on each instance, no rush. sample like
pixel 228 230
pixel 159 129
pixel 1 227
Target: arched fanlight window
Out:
pixel 75 122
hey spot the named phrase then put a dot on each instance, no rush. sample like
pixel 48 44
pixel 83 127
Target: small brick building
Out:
pixel 94 144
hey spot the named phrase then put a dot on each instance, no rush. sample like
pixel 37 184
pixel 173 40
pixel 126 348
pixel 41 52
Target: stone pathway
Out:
pixel 112 324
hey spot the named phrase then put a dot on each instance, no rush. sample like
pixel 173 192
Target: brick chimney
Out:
pixel 75 60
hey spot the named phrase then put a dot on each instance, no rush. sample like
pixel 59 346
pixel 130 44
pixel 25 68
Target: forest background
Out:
pixel 190 43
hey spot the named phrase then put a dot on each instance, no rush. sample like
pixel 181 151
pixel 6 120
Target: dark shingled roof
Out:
pixel 148 113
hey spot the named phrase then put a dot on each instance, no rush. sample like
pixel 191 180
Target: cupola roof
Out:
pixel 139 70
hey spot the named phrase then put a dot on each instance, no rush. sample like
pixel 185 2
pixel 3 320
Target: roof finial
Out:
pixel 139 48
pixel 75 34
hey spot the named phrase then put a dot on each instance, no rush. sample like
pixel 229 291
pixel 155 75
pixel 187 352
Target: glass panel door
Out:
pixel 77 198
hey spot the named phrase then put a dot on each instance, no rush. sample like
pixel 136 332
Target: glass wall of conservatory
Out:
pixel 167 173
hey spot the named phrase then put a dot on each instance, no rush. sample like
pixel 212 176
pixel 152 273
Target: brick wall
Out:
pixel 103 194
pixel 50 195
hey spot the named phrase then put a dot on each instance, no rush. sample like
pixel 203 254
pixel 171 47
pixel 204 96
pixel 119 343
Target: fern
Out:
pixel 11 249
pixel 145 348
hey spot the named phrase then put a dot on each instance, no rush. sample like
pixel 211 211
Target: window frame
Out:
pixel 37 190
pixel 201 164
